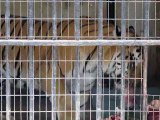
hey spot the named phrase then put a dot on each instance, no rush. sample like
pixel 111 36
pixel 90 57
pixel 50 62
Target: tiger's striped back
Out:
pixel 65 29
pixel 19 28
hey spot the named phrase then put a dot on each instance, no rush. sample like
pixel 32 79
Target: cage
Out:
pixel 79 60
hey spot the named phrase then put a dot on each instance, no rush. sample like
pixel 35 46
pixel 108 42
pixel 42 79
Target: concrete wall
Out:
pixel 43 9
pixel 135 16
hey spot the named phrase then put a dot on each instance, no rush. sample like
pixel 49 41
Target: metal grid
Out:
pixel 75 67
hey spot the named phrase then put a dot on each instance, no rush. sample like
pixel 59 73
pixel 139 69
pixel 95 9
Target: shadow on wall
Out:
pixel 155 52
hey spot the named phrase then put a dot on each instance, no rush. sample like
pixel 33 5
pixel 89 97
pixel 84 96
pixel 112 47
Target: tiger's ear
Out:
pixel 131 29
pixel 118 31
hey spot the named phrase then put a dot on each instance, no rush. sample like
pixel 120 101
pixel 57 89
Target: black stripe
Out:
pixel 4 66
pixel 2 24
pixel 17 16
pixel 21 27
pixel 138 50
pixel 114 64
pixel 56 117
pixel 82 105
pixel 84 25
pixel 118 63
pixel 3 53
pixel 12 47
pixel 2 16
pixel 72 70
pixel 18 73
pixel 11 21
pixel 118 33
pixel 66 27
pixel 50 26
pixel 89 58
pixel 39 29
pixel 14 28
pixel 126 57
pixel 58 26
pixel 139 54
pixel 118 55
pixel 36 21
pixel 131 56
pixel 17 58
pixel 34 26
pixel 60 70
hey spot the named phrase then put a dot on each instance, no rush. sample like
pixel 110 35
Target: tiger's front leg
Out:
pixel 63 99
pixel 64 102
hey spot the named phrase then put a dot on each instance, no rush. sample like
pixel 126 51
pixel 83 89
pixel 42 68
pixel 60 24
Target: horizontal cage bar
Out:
pixel 80 42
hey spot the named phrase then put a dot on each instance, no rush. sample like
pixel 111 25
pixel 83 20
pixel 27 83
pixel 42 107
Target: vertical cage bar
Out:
pixel 31 63
pixel 54 58
pixel 77 62
pixel 7 24
pixel 123 28
pixel 111 13
pixel 99 69
pixel 145 68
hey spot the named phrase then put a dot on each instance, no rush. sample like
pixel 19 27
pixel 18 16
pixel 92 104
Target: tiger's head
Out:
pixel 113 65
pixel 130 33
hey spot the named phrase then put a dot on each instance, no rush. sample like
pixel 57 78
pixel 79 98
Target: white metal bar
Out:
pixel 39 42
pixel 123 28
pixel 48 1
pixel 77 62
pixel 99 68
pixel 145 68
pixel 8 98
pixel 54 58
pixel 71 18
pixel 31 62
